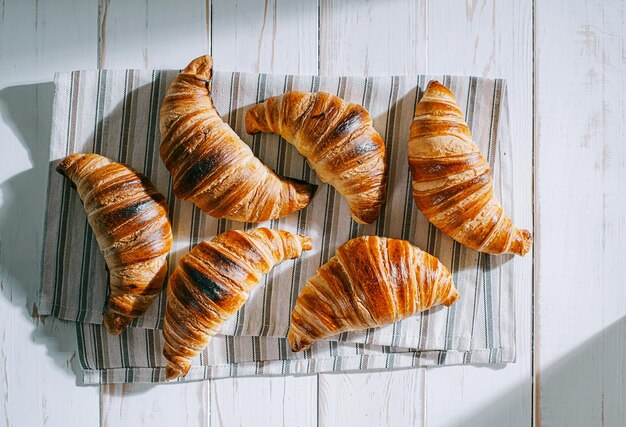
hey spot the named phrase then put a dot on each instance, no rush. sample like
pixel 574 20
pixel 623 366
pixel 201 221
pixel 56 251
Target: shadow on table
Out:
pixel 587 387
pixel 27 111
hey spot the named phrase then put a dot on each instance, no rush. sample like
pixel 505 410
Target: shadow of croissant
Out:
pixel 27 111
pixel 587 387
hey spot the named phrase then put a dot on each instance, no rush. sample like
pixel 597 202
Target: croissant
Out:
pixel 129 219
pixel 452 181
pixel 212 282
pixel 371 281
pixel 338 140
pixel 211 165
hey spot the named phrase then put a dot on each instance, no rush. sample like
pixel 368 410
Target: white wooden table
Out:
pixel 566 66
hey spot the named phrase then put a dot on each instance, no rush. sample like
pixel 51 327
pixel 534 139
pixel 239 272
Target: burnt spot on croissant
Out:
pixel 348 123
pixel 210 164
pixel 211 289
pixel 338 140
pixel 189 179
pixel 132 210
pixel 129 219
pixel 208 286
pixel 183 294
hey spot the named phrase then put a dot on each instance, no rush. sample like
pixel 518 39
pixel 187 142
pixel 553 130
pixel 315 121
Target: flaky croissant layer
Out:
pixel 212 282
pixel 338 140
pixel 129 219
pixel 371 281
pixel 452 181
pixel 211 165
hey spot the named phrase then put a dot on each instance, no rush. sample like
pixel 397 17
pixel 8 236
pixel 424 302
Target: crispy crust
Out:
pixel 211 165
pixel 338 140
pixel 371 281
pixel 452 181
pixel 129 219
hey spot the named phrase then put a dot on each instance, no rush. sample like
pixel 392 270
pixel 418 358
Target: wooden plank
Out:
pixel 394 398
pixel 155 405
pixel 580 106
pixel 372 38
pixel 155 34
pixel 269 401
pixel 37 357
pixel 494 39
pixel 278 37
pixel 270 36
pixel 158 34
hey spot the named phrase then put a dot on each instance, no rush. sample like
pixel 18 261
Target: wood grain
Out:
pixel 373 37
pixel 491 38
pixel 271 36
pixel 156 34
pixel 152 405
pixel 269 401
pixel 37 357
pixel 580 106
pixel 281 37
pixel 352 41
pixel 391 398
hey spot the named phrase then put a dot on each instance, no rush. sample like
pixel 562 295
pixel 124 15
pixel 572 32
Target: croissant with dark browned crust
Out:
pixel 212 282
pixel 338 140
pixel 452 181
pixel 371 281
pixel 211 165
pixel 129 219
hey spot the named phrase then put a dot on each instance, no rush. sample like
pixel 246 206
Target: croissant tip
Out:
pixel 433 84
pixel 434 87
pixel 296 343
pixel 251 121
pixel 523 242
pixel 116 323
pixel 67 163
pixel 202 67
pixel 366 216
pixel 304 191
pixel 452 297
pixel 172 373
pixel 306 242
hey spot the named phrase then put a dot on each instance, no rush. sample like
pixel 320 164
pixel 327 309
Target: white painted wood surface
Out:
pixel 271 401
pixel 580 107
pixel 392 398
pixel 37 382
pixel 570 84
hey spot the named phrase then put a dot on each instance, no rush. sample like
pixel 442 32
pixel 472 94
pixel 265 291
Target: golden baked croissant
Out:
pixel 129 219
pixel 211 165
pixel 452 181
pixel 338 140
pixel 212 282
pixel 371 281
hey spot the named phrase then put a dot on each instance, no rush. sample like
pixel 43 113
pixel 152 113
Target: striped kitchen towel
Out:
pixel 115 113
